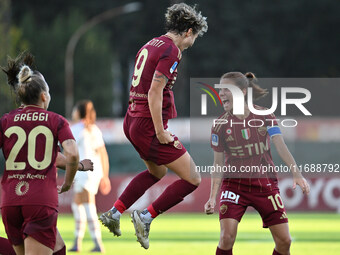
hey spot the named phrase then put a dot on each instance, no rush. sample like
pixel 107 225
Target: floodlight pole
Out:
pixel 72 43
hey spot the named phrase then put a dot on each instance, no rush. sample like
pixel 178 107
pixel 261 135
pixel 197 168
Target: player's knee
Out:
pixel 284 242
pixel 196 180
pixel 162 174
pixel 227 240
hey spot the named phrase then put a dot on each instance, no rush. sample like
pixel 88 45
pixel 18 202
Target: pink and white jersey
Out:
pixel 246 146
pixel 159 54
pixel 29 140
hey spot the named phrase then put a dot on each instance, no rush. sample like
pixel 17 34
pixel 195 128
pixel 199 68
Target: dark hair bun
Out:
pixel 250 75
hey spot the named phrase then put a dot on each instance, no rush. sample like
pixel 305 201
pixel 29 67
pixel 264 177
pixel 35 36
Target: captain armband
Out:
pixel 274 130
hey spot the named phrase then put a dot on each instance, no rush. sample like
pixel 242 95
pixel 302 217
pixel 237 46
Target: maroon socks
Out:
pixel 135 190
pixel 223 252
pixel 171 196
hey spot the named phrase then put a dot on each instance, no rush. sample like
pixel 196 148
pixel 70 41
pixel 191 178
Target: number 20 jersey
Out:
pixel 29 140
pixel 159 54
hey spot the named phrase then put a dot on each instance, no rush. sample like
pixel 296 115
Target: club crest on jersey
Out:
pixel 223 209
pixel 173 68
pixel 214 139
pixel 246 133
pixel 229 131
pixel 177 145
pixel 262 131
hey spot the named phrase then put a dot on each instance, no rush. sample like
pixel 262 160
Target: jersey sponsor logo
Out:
pixel 223 209
pixel 246 133
pixel 229 139
pixel 229 196
pixel 237 151
pixel 262 131
pixel 173 68
pixel 214 139
pixel 251 148
pixel 21 188
pixel 177 145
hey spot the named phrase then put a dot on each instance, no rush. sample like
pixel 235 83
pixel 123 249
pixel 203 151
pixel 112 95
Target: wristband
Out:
pixel 82 166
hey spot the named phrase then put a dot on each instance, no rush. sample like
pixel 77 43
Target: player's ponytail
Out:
pixel 14 66
pixel 25 75
pixel 244 81
pixel 258 92
pixel 27 84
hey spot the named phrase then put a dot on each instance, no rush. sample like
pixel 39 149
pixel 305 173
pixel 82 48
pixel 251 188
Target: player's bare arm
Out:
pixel 289 160
pixel 216 180
pixel 72 161
pixel 155 100
pixel 105 185
pixel 159 77
pixel 84 165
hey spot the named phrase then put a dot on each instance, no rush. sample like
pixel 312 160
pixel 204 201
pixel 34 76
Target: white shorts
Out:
pixel 86 180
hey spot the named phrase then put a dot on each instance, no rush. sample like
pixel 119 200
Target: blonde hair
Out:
pixel 25 74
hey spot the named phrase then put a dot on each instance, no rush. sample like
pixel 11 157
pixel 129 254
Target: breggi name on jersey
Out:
pixel 31 116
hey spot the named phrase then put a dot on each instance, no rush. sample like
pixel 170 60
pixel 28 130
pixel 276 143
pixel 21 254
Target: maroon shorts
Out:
pixel 141 133
pixel 39 222
pixel 234 203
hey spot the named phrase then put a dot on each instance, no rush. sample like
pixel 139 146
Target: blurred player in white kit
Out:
pixel 91 145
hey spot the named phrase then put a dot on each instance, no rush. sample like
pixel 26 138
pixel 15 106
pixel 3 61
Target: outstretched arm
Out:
pixel 84 165
pixel 105 185
pixel 289 160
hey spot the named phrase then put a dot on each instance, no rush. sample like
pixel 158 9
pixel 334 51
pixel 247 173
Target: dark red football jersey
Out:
pixel 29 140
pixel 246 146
pixel 159 54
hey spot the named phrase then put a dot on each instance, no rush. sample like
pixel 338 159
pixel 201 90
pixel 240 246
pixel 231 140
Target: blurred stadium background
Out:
pixel 273 39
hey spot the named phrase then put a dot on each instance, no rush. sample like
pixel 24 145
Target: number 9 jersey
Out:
pixel 159 54
pixel 29 140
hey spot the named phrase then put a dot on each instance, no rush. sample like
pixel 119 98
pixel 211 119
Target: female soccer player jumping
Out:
pixel 245 145
pixel 151 105
pixel 29 138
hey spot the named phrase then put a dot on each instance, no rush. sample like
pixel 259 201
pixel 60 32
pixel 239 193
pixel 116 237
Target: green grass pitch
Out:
pixel 176 234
